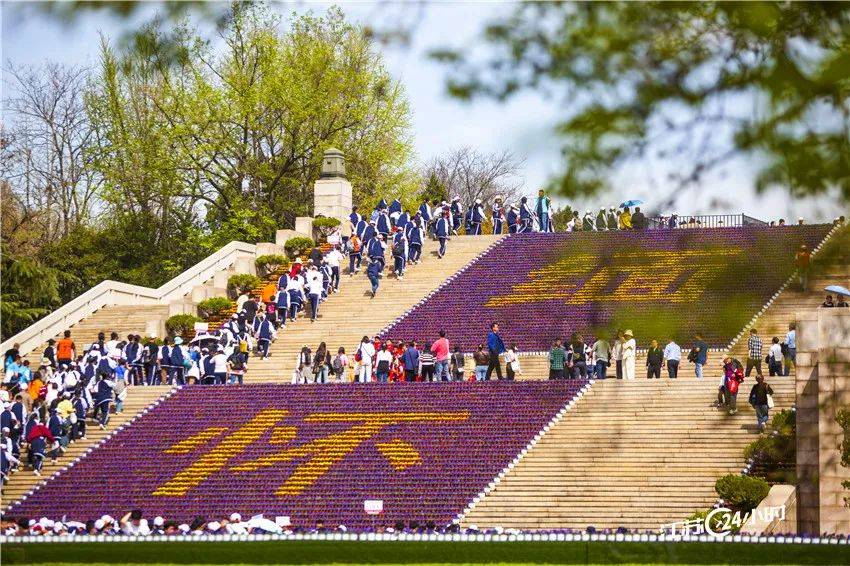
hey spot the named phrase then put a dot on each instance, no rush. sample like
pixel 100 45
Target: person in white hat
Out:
pixel 629 354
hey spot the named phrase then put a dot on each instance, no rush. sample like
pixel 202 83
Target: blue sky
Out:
pixel 523 126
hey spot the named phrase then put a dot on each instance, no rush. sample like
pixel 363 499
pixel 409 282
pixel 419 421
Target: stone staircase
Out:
pixel 345 317
pixel 23 481
pixel 123 319
pixel 643 453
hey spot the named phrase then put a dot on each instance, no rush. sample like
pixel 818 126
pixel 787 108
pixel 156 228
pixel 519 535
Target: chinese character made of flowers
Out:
pixel 631 277
pixel 317 456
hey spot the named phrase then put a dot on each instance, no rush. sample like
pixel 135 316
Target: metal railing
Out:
pixel 704 221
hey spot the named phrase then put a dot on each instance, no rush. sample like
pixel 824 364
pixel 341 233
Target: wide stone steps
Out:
pixel 123 319
pixel 345 317
pixel 638 453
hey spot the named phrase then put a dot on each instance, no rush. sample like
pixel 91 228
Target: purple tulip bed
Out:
pixel 307 452
pixel 657 283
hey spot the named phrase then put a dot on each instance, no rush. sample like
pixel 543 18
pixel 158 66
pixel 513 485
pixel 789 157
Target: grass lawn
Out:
pixel 431 552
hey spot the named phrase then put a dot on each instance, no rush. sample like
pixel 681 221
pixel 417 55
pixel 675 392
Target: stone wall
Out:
pixel 823 388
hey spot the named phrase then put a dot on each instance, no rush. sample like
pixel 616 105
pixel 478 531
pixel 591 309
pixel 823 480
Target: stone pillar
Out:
pixel 823 388
pixel 332 191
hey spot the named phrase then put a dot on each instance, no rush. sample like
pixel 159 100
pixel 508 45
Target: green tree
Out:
pixel 433 189
pixel 696 84
pixel 247 124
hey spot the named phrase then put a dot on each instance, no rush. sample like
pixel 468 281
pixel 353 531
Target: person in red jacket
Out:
pixel 38 436
pixel 733 376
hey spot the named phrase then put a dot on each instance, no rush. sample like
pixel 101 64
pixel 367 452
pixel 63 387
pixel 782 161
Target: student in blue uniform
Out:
pixel 177 360
pixel 476 218
pixel 265 335
pixel 19 411
pixel 526 217
pixel 498 211
pixel 376 251
pixel 512 219
pixel 457 214
pixel 354 218
pixel 394 209
pixel 442 229
pixel 296 296
pixel 281 301
pixel 400 252
pixel 369 234
pixel 38 436
pixel 54 423
pixel 415 237
pixel 102 395
pixel 403 220
pixel 383 224
pixel 360 229
pixel 373 272
pixel 425 213
pixel 9 420
pixel 467 221
pixel 78 423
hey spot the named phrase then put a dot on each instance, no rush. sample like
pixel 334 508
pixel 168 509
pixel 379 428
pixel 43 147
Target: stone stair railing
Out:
pixel 107 293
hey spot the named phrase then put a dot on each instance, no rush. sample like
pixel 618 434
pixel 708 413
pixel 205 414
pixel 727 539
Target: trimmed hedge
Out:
pixel 774 455
pixel 270 263
pixel 181 324
pixel 298 245
pixel 214 306
pixel 741 493
pixel 325 222
pixel 243 282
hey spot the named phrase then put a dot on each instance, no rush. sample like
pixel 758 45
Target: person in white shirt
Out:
pixel 512 362
pixel 219 360
pixel 112 343
pixel 366 353
pixel 333 259
pixel 314 290
pixel 132 524
pixel 617 354
pixel 383 360
pixel 629 354
pixel 672 355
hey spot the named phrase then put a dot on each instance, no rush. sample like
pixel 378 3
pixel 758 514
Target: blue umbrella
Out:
pixel 630 203
pixel 838 289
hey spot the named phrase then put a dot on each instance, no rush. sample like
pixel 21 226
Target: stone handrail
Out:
pixel 110 292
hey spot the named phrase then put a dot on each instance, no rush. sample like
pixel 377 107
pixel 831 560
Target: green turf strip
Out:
pixel 442 552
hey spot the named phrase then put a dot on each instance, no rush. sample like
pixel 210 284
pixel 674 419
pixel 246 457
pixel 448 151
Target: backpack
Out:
pixel 355 244
pixel 337 365
pixel 398 249
pixel 693 355
pixel 243 346
pixel 357 355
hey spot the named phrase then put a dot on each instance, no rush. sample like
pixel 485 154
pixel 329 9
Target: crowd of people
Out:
pixel 135 524
pixel 577 359
pixel 386 360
